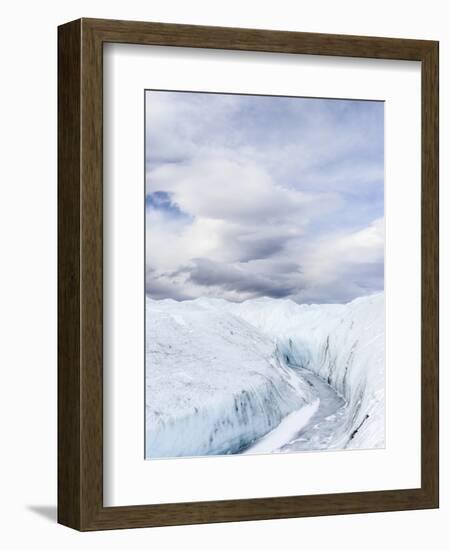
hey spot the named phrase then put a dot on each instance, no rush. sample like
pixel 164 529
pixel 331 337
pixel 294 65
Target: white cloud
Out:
pixel 276 202
pixel 329 256
pixel 226 189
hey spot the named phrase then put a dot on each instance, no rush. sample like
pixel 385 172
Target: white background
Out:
pixel 129 479
pixel 28 275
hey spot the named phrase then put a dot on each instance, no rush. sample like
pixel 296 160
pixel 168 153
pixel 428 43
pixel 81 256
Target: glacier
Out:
pixel 264 375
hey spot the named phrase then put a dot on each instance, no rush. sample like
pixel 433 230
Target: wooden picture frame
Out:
pixel 80 272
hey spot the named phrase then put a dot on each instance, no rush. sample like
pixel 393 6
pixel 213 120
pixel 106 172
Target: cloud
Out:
pixel 238 279
pixel 329 255
pixel 227 188
pixel 341 267
pixel 335 269
pixel 251 196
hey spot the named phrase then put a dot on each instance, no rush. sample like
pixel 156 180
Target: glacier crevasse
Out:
pixel 220 375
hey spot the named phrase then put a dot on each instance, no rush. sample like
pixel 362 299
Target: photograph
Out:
pixel 264 274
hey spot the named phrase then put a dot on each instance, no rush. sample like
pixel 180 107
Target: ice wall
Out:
pixel 214 382
pixel 220 375
pixel 342 343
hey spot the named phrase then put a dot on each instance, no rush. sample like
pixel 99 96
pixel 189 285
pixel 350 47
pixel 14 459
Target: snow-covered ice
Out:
pixel 287 429
pixel 214 382
pixel 264 375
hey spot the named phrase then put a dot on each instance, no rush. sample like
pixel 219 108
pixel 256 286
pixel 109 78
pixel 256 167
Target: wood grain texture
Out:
pixel 69 244
pixel 430 273
pixel 80 264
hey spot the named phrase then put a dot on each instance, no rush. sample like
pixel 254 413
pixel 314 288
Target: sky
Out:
pixel 251 196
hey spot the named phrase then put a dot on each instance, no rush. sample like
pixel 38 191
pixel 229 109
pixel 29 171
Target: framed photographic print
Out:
pixel 248 274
